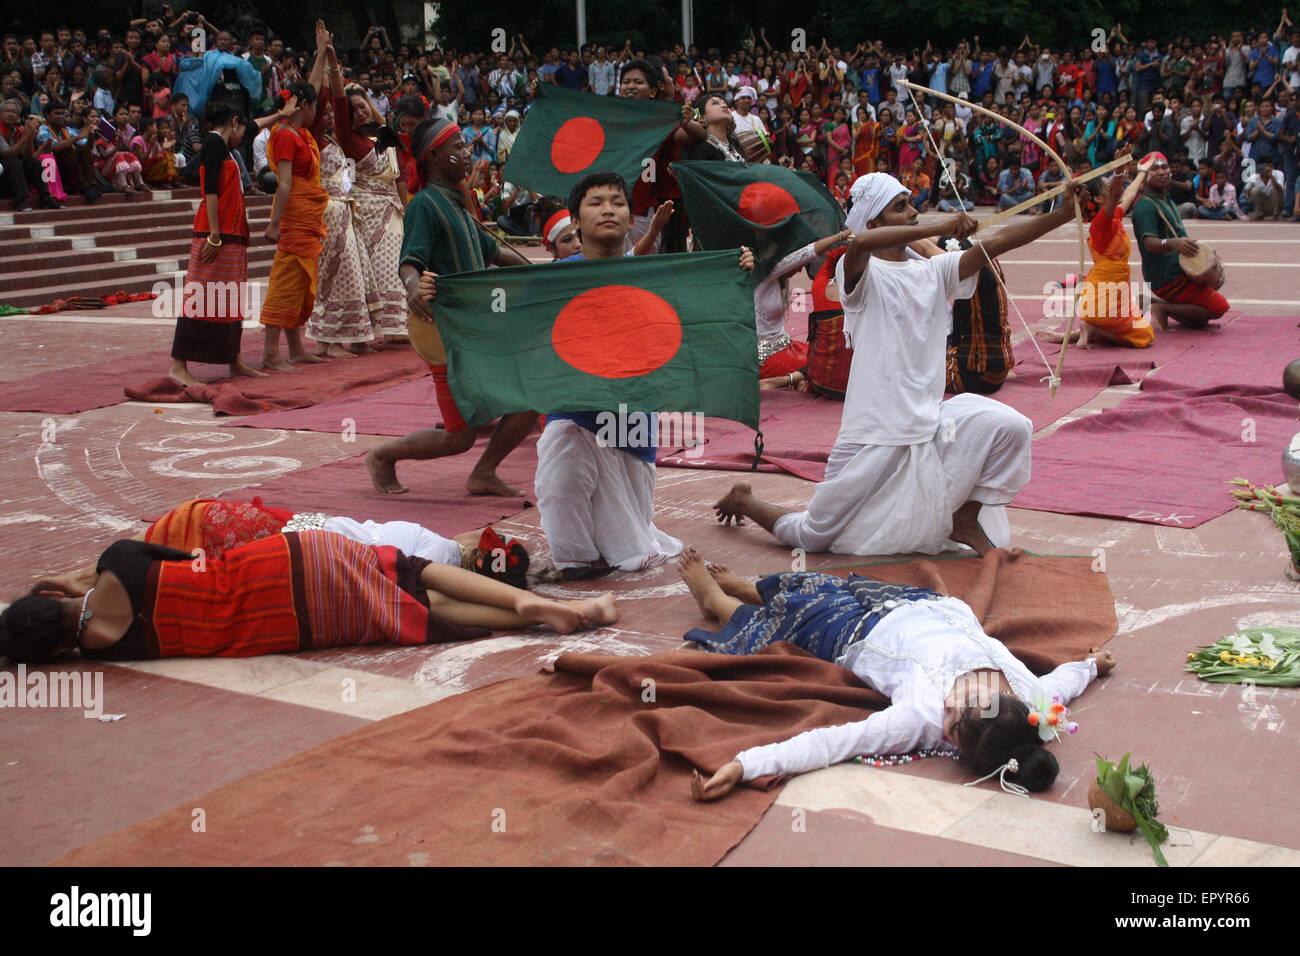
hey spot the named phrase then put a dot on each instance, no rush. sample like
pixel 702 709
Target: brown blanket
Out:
pixel 589 764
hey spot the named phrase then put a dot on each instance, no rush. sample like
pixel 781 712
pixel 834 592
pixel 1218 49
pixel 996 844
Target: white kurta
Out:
pixel 913 656
pixel 905 459
pixel 597 502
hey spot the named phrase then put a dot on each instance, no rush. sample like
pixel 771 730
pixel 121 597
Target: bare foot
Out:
pixel 732 584
pixel 966 528
pixel 335 350
pixel 306 358
pixel 383 474
pixel 180 373
pixel 492 485
pixel 240 367
pixel 598 610
pixel 562 618
pixel 1049 335
pixel 732 507
pixel 702 586
pixel 276 362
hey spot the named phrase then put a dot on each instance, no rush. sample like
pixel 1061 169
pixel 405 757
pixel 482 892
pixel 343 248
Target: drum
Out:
pixel 753 146
pixel 426 340
pixel 1204 267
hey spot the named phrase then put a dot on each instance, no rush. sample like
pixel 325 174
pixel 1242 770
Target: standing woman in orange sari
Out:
pixel 1106 300
pixel 297 222
pixel 866 143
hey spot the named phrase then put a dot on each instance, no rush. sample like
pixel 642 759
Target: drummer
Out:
pixel 750 130
pixel 1163 243
pixel 441 236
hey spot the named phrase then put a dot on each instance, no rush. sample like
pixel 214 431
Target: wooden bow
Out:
pixel 1055 379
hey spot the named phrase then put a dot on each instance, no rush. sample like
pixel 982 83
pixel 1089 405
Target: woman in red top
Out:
pixel 210 314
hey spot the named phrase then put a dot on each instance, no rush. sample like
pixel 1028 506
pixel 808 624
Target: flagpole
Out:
pixel 688 24
pixel 582 23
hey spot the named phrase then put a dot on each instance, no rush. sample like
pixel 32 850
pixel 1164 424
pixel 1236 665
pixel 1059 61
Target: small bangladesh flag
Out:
pixel 568 134
pixel 666 333
pixel 771 209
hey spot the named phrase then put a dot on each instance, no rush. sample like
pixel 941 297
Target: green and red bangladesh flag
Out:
pixel 771 209
pixel 568 134
pixel 665 333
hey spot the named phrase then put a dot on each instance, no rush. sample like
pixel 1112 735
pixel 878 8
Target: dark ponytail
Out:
pixel 986 743
pixel 217 113
pixel 305 92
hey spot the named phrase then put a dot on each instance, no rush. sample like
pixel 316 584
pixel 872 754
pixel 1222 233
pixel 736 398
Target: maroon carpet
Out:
pixel 67 391
pixel 143 378
pixel 309 385
pixel 1163 456
pixel 396 410
pixel 437 498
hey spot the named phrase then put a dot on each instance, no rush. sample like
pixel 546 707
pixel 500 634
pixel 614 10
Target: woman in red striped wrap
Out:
pixel 294 591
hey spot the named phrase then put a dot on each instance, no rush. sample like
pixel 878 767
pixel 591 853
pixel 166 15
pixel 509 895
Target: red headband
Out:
pixel 554 226
pixel 444 134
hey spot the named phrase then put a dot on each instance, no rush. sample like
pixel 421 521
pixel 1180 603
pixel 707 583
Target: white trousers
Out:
pixel 597 502
pixel 899 499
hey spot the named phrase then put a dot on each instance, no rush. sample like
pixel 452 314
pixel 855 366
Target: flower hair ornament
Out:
pixel 492 544
pixel 1050 719
pixel 1011 766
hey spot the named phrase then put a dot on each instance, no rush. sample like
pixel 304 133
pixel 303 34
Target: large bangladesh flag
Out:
pixel 771 209
pixel 568 134
pixel 666 333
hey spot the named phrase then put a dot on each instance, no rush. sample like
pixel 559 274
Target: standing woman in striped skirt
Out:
pixel 210 316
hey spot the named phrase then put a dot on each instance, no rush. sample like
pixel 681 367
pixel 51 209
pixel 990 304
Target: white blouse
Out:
pixel 913 656
pixel 772 296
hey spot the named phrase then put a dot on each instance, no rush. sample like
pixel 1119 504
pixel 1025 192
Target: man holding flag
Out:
pixel 595 470
pixel 442 236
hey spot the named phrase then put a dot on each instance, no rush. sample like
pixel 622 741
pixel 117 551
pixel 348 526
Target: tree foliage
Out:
pixel 656 24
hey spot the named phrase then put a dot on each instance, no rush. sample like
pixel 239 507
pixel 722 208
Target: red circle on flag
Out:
pixel 766 203
pixel 617 331
pixel 577 144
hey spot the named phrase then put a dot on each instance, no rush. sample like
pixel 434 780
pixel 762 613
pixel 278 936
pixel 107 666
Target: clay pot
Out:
pixel 1117 818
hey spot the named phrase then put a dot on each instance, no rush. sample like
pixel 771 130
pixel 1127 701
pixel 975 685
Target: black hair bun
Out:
pixel 1038 768
pixel 386 137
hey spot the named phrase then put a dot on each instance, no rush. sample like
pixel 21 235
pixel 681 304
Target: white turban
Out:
pixel 746 91
pixel 870 195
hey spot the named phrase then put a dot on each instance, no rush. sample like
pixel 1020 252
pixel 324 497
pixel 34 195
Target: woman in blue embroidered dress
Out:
pixel 946 679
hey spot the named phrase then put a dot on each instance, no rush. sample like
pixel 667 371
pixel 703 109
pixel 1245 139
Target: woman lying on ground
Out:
pixel 216 527
pixel 283 593
pixel 947 680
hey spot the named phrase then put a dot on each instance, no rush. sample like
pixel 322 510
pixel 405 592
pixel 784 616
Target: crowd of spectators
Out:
pixel 106 106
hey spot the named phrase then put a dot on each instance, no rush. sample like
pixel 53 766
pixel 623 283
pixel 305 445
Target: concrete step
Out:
pixel 91 286
pixel 113 198
pixel 109 272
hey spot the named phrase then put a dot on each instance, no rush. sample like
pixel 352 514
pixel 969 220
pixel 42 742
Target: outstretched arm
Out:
pixel 1020 233
pixel 1132 191
pixel 1073 677
pixel 896 729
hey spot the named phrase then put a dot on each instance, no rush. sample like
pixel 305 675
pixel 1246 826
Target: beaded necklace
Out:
pixel 893 760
